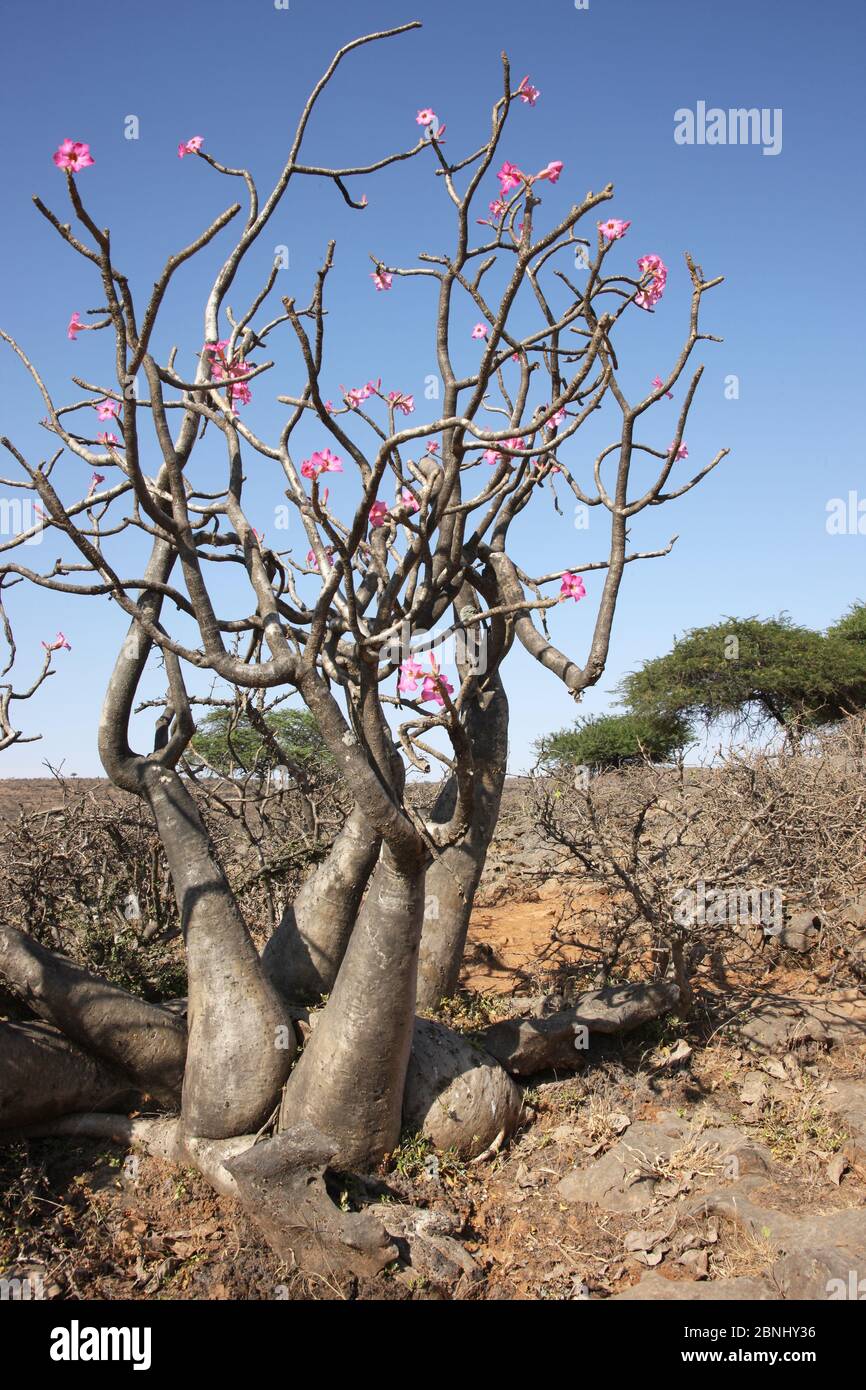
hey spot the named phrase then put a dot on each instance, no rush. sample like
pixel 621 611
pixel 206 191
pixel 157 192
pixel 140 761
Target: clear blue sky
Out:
pixel 786 231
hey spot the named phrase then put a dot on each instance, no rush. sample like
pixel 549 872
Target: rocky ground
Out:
pixel 723 1157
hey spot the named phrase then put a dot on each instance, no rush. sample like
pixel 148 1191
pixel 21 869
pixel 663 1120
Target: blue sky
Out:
pixel 786 231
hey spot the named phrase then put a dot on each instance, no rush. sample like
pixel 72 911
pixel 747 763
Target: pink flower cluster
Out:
pixel 73 156
pixel 428 119
pixel 311 556
pixel 493 457
pixel 323 461
pixel 572 587
pixel 527 92
pixel 654 266
pixel 614 228
pixel 411 672
pixel 381 279
pixel 511 177
pixel 681 453
pixel 221 369
pixel 400 402
pixel 378 514
pixel 657 386
pixel 190 146
pixel 358 394
pixel 59 644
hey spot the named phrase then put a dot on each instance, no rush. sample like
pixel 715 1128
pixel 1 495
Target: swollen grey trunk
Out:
pixel 241 1041
pixel 145 1042
pixel 453 877
pixel 305 952
pixel 350 1079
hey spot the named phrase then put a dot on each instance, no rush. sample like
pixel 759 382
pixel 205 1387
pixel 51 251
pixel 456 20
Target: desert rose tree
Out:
pixel 401 537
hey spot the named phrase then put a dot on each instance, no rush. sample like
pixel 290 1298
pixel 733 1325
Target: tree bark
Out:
pixel 303 956
pixel 42 1074
pixel 146 1042
pixel 453 877
pixel 350 1079
pixel 457 1095
pixel 241 1039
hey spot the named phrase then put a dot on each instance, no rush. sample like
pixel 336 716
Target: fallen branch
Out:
pixel 524 1046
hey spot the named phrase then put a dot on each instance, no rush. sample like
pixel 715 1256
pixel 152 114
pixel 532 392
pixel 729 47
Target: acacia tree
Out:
pixel 756 671
pixel 348 629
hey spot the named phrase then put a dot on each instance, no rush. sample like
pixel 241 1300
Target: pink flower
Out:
pixel 613 228
pixel 72 155
pixel 497 209
pixel 551 171
pixel 74 327
pixel 59 644
pixel 546 459
pixel 653 263
pixel 329 406
pixel 509 177
pixel 311 556
pixel 432 446
pixel 411 672
pixel 425 116
pixel 220 370
pixel 409 502
pixel 657 386
pixel 572 587
pixel 106 410
pixel 216 352
pixel 381 279
pixel 401 402
pixel 190 146
pixel 654 266
pixel 558 417
pixel 108 438
pixel 480 330
pixel 682 451
pixel 323 461
pixel 435 684
pixel 358 394
pixel 239 392
pixel 493 456
pixel 96 479
pixel 527 92
pixel 378 514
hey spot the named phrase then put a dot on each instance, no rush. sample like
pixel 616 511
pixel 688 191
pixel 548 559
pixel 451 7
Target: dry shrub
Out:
pixel 87 875
pixel 703 863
